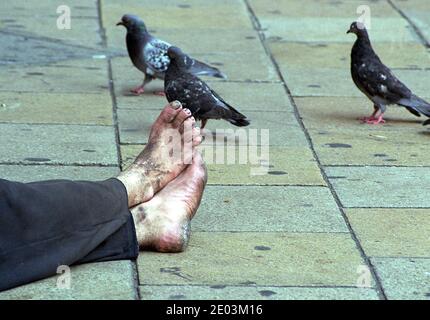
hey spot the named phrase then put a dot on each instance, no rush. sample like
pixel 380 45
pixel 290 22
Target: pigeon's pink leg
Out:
pixel 377 120
pixel 160 93
pixel 138 90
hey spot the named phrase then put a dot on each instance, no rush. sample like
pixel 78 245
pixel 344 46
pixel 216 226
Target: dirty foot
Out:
pixel 169 151
pixel 163 223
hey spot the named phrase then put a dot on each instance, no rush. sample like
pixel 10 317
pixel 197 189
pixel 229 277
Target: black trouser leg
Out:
pixel 47 224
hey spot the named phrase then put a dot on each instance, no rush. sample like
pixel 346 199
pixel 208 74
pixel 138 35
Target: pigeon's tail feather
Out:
pixel 202 69
pixel 417 104
pixel 239 122
pixel 237 119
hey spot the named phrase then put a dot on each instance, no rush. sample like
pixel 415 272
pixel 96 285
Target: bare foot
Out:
pixel 163 223
pixel 169 151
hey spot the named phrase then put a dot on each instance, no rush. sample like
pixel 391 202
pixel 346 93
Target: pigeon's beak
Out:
pixel 120 23
pixel 349 31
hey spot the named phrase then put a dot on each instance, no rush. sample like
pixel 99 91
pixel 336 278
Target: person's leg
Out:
pixel 47 224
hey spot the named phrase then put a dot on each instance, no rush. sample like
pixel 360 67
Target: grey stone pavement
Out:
pixel 343 212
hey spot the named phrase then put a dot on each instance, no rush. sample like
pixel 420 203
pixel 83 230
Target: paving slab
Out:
pixel 41 21
pixel 319 8
pixel 396 55
pixel 252 66
pixel 217 15
pixel 418 12
pixel 283 129
pixel 392 232
pixel 380 187
pixel 372 147
pixel 29 173
pixel 334 82
pixel 218 292
pixel 58 144
pixel 279 166
pixel 210 40
pixel 333 29
pixel 26 107
pixel 340 139
pixel 112 280
pixel 289 209
pixel 126 76
pixel 343 113
pixel 404 278
pixel 84 31
pixel 83 76
pixel 268 259
pixel 25 49
pixel 287 166
pixel 251 96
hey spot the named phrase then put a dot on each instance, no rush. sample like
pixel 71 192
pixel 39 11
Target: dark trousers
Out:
pixel 47 224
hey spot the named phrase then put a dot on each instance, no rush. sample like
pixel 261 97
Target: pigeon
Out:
pixel 194 94
pixel 377 81
pixel 149 54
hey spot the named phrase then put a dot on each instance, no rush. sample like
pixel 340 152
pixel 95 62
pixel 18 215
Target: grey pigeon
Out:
pixel 194 94
pixel 149 54
pixel 377 81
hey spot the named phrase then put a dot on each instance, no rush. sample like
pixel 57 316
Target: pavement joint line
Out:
pixel 372 165
pixel 416 29
pixel 102 32
pixel 267 185
pixel 253 286
pixel 47 39
pixel 270 41
pixel 49 92
pixel 255 110
pixel 226 145
pixel 400 257
pixel 366 259
pixel 263 231
pixel 248 81
pixel 392 208
pixel 57 164
pixel 45 124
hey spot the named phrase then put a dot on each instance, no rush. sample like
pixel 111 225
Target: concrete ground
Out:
pixel 343 212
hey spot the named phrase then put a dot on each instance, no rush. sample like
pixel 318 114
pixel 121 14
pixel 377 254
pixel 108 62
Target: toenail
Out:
pixel 175 104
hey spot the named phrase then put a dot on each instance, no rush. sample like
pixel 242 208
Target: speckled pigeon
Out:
pixel 149 54
pixel 377 81
pixel 195 94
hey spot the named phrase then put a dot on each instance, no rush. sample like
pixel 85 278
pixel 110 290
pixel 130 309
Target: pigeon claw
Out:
pixel 373 120
pixel 160 93
pixel 138 90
